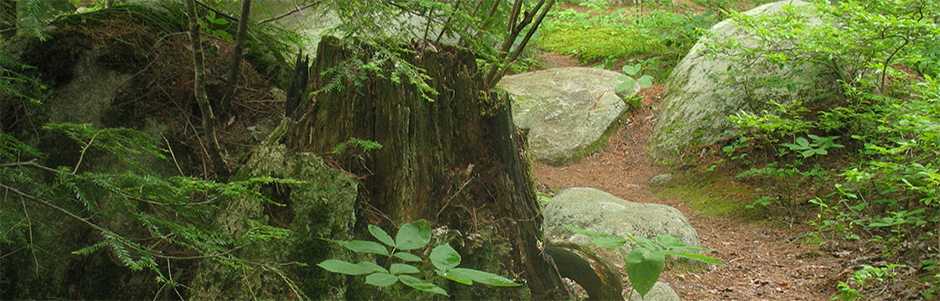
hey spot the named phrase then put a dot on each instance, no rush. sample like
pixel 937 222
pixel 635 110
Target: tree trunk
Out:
pixel 199 89
pixel 457 161
pixel 231 80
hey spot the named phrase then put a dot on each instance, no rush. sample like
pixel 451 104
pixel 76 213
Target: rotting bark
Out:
pixel 457 161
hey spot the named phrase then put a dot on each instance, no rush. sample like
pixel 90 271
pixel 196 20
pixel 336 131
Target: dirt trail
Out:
pixel 764 259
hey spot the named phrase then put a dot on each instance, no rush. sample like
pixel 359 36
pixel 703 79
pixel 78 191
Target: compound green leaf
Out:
pixel 364 246
pixel 482 277
pixel 381 279
pixel 401 268
pixel 412 236
pixel 381 235
pixel 407 256
pixel 422 285
pixel 445 258
pixel 348 268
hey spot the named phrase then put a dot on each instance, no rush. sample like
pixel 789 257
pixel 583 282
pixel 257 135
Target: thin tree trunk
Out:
pixel 507 53
pixel 199 89
pixel 457 161
pixel 231 80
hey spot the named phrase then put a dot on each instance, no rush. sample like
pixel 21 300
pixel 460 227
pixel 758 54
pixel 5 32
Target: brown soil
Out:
pixel 765 259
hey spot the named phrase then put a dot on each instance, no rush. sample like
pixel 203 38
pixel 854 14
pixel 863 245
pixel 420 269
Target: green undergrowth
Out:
pixel 605 35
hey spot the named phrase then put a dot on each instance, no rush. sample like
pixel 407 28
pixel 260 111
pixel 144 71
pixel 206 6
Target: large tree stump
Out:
pixel 456 161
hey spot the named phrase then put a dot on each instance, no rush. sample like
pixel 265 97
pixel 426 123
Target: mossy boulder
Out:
pixel 321 207
pixel 710 84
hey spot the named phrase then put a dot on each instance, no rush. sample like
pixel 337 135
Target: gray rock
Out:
pixel 660 180
pixel 313 24
pixel 660 292
pixel 89 94
pixel 568 111
pixel 595 210
pixel 701 93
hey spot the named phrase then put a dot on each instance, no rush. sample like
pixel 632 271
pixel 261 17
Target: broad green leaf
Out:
pixel 808 153
pixel 364 246
pixel 631 69
pixel 688 249
pixel 645 81
pixel 422 285
pixel 412 236
pixel 381 279
pixel 626 85
pixel 791 146
pixel 696 257
pixel 445 258
pixel 643 268
pixel 381 235
pixel 455 276
pixel 348 268
pixel 588 233
pixel 401 268
pixel 483 277
pixel 645 242
pixel 223 35
pixel 407 256
pixel 609 242
pixel 802 142
pixel 669 241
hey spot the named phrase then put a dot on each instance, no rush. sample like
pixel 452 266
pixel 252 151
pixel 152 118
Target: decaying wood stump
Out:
pixel 456 161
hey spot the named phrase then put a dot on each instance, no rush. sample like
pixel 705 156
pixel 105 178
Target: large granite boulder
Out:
pixel 595 210
pixel 714 82
pixel 569 112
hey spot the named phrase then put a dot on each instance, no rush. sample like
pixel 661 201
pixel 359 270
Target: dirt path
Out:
pixel 765 260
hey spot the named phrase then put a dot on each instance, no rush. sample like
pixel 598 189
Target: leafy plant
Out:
pixel 628 84
pixel 215 25
pixel 409 237
pixel 645 263
pixel 144 221
pixel 364 145
pixel 866 278
pixel 819 145
pixel 888 183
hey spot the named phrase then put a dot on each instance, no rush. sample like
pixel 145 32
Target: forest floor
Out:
pixel 766 255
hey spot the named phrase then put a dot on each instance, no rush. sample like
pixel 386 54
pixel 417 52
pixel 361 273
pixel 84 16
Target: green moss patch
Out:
pixel 597 42
pixel 712 194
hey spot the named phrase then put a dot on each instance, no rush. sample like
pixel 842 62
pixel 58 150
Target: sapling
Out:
pixel 401 265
